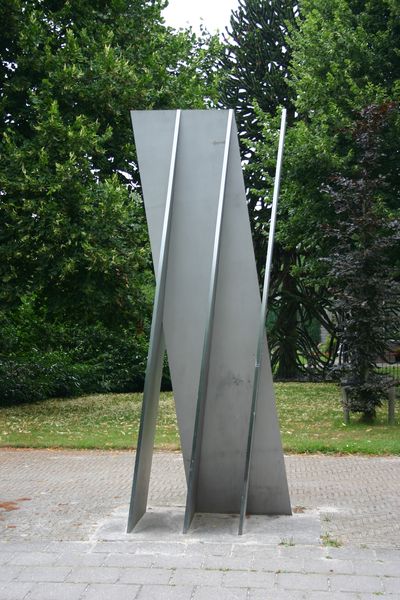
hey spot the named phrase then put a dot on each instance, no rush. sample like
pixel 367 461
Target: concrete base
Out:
pixel 164 524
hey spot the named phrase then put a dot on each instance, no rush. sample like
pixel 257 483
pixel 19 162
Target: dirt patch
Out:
pixel 9 505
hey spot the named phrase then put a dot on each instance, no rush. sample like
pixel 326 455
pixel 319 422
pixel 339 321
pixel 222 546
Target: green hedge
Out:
pixel 40 360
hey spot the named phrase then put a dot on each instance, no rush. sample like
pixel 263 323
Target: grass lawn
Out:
pixel 310 420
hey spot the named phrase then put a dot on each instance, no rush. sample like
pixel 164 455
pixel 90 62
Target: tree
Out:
pixel 335 73
pixel 255 64
pixel 345 57
pixel 365 293
pixel 74 250
pixel 336 48
pixel 295 333
pixel 72 233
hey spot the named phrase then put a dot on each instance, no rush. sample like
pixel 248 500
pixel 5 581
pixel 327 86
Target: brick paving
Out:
pixel 63 518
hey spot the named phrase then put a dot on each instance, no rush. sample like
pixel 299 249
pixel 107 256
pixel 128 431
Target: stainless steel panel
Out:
pixel 191 501
pixel 233 342
pixel 151 394
pixel 261 332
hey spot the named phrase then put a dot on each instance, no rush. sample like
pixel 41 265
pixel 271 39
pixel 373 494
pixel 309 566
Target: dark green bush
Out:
pixel 40 359
pixel 22 382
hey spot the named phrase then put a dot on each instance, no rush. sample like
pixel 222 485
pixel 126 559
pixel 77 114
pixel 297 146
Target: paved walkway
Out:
pixel 63 518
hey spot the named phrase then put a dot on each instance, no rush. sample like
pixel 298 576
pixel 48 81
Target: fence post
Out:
pixel 346 411
pixel 391 404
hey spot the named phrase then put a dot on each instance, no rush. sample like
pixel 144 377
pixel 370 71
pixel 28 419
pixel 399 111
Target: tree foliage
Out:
pixel 73 239
pixel 256 62
pixel 75 269
pixel 72 232
pixel 336 49
pixel 345 57
pixel 299 294
pixel 365 293
pixel 335 72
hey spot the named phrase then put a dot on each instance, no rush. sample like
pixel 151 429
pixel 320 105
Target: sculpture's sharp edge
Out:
pixel 144 454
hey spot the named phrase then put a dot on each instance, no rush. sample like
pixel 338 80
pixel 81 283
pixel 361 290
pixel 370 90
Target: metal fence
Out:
pixel 391 370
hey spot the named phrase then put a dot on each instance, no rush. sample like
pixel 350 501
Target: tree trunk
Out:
pixel 286 324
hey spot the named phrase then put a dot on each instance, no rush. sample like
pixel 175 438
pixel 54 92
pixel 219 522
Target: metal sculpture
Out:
pixel 208 315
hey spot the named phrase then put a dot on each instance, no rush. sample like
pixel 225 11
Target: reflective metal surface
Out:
pixel 219 351
pixel 191 500
pixel 263 316
pixel 151 394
